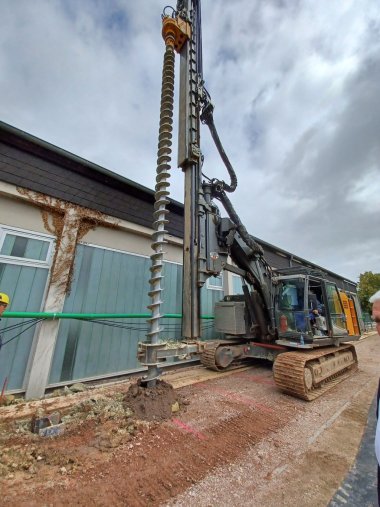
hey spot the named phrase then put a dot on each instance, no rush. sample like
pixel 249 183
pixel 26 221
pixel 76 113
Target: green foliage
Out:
pixel 369 283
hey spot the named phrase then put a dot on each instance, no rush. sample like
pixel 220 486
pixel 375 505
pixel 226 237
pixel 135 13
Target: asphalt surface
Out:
pixel 359 488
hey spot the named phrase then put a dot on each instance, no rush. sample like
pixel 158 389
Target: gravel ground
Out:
pixel 305 461
pixel 236 440
pixel 360 484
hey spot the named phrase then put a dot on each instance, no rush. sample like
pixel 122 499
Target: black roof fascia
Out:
pixel 29 143
pixel 304 262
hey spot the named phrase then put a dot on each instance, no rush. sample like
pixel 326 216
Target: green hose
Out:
pixel 90 316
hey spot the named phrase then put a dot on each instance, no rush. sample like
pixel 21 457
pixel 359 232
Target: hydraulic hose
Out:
pixel 207 118
pixel 247 238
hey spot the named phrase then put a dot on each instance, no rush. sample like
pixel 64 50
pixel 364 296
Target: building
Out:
pixel 75 238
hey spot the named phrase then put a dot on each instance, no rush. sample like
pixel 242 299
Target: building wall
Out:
pixel 17 213
pixel 39 167
pixel 107 281
pixel 111 256
pixel 110 281
pixel 25 260
pixel 25 286
pixel 110 275
pixel 138 241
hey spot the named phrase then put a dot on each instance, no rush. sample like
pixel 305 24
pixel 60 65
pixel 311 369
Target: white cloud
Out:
pixel 366 191
pixel 295 85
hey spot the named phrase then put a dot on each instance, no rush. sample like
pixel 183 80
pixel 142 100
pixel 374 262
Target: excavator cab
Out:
pixel 309 312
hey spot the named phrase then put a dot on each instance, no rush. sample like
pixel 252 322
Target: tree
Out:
pixel 369 283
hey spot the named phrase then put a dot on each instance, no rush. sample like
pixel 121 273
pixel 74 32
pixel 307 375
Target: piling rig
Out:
pixel 295 317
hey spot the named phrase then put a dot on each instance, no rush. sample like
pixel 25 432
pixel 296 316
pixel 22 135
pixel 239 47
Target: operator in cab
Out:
pixel 316 315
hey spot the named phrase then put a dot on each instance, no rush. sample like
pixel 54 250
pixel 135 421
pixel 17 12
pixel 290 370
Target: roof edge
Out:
pixel 29 138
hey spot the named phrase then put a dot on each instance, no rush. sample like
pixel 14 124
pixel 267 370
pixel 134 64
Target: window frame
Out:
pixel 215 287
pixel 21 261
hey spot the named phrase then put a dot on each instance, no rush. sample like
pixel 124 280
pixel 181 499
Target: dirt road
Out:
pixel 236 441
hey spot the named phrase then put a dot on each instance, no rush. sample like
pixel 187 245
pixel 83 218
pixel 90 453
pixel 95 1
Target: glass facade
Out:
pixel 109 281
pixel 25 284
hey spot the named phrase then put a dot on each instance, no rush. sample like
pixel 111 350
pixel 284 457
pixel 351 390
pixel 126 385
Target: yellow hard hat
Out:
pixel 4 298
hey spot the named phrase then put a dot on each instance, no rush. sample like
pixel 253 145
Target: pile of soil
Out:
pixel 102 422
pixel 151 403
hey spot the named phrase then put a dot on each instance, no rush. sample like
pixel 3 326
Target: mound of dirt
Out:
pixel 151 403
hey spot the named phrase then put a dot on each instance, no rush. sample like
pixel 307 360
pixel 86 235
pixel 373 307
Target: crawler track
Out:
pixel 293 371
pixel 208 358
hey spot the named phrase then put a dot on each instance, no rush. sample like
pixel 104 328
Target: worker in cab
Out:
pixel 318 323
pixel 4 302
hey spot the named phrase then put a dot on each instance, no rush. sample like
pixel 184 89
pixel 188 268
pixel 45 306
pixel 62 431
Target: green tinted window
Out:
pixel 292 295
pixel 215 282
pixel 237 285
pixel 338 318
pixel 25 248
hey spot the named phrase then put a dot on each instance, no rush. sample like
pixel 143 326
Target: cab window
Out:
pixel 336 310
pixel 292 295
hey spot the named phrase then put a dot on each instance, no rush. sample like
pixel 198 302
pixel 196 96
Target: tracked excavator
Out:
pixel 294 317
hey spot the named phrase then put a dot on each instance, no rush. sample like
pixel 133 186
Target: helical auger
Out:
pixel 161 189
pixel 174 38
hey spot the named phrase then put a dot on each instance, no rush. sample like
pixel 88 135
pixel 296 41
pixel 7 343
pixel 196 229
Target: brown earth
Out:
pixel 151 403
pixel 235 440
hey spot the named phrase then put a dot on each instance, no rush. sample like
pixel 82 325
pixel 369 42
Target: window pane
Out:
pixel 291 316
pixel 7 247
pixel 336 310
pixel 292 295
pixel 37 249
pixel 26 248
pixel 19 247
pixel 215 281
pixel 237 285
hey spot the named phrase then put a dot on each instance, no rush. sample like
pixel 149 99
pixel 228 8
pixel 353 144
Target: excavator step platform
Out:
pixel 308 375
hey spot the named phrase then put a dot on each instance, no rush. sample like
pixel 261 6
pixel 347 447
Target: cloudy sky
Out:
pixel 296 88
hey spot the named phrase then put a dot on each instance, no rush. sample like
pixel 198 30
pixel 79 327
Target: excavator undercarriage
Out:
pixel 310 374
pixel 303 374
